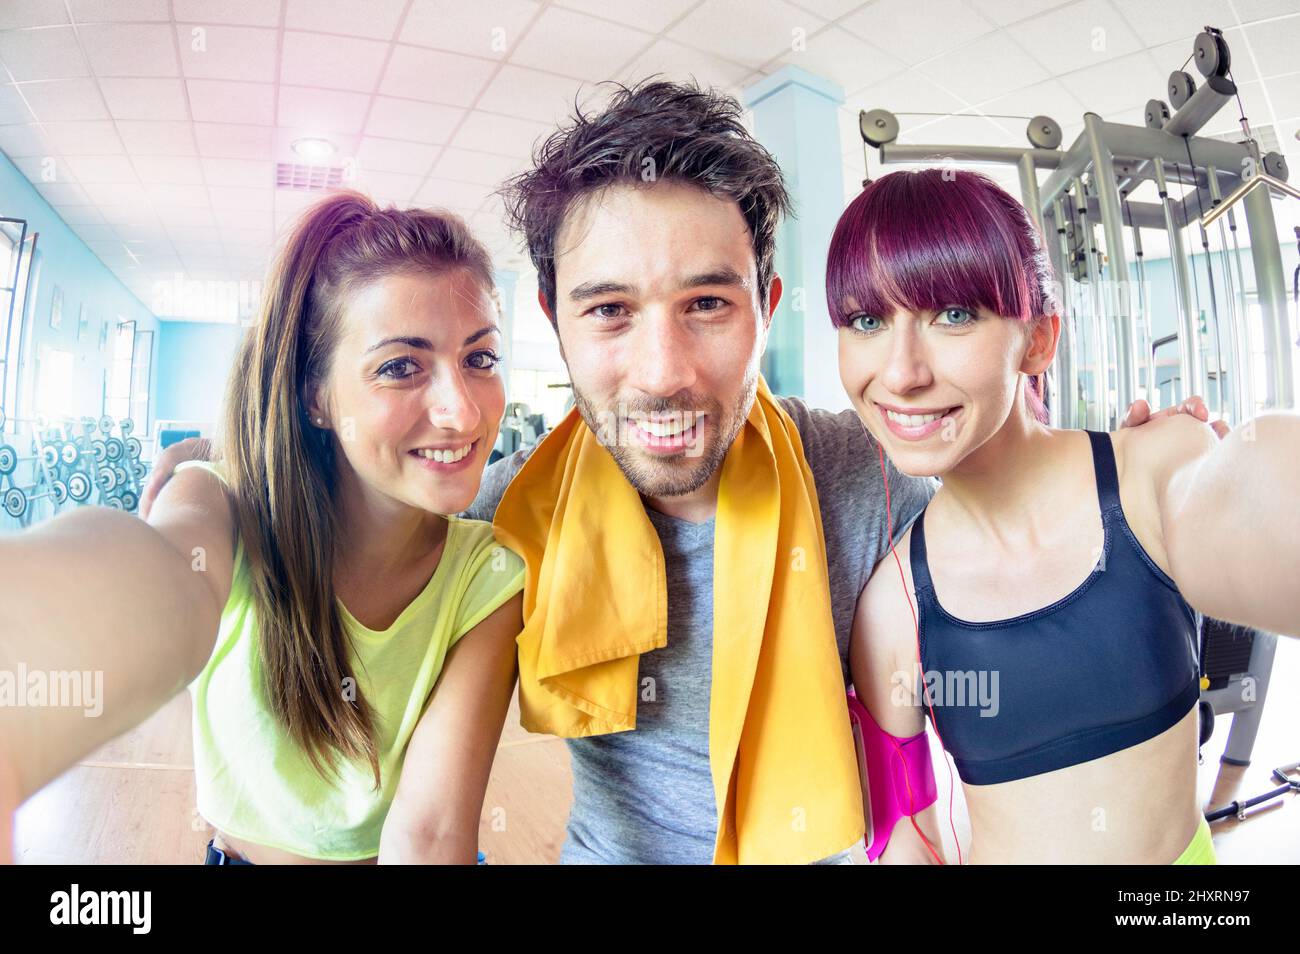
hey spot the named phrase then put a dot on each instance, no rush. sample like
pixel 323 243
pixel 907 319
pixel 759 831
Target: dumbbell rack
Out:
pixel 91 467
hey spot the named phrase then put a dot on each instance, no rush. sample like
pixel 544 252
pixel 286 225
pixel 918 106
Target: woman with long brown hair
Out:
pixel 348 645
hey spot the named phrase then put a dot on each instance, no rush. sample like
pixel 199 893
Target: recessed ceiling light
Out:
pixel 313 150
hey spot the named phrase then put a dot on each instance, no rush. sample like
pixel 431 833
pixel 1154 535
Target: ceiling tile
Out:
pixel 100 11
pixel 94 138
pixel 157 139
pixel 651 17
pixel 1049 98
pixel 1275 47
pixel 1284 94
pixel 168 170
pixel 1003 68
pixel 1075 37
pixel 331 62
pixel 247 12
pixel 390 186
pixel 1116 84
pixel 57 100
pixel 594 49
pixel 407 119
pixel 50 53
pixel 228 52
pixel 115 196
pixel 145 98
pixel 1003 12
pixel 501 135
pixel 177 196
pixel 247 173
pixel 839 55
pixel 435 76
pixel 529 94
pixel 226 101
pixel 323 110
pixel 100 169
pixel 393 155
pixel 750 32
pixel 1163 21
pixel 452 195
pixel 375 18
pixel 480 29
pixel 481 168
pixel 677 62
pixel 907 28
pixel 191 218
pixel 909 92
pixel 129 49
pixel 234 141
pixel 18 14
pixel 243 199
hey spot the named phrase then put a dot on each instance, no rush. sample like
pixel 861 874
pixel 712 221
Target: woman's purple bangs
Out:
pixel 928 240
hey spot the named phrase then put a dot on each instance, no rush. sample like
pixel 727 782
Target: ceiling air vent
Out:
pixel 305 177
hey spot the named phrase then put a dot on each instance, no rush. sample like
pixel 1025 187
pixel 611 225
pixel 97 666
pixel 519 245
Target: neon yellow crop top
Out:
pixel 255 783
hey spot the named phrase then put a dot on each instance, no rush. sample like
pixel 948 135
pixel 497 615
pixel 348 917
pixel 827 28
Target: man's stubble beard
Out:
pixel 679 474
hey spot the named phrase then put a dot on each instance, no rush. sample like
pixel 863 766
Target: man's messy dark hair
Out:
pixel 671 131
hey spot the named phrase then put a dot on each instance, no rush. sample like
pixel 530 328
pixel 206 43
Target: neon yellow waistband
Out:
pixel 1200 851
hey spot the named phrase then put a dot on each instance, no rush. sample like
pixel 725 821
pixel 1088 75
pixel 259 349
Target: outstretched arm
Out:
pixel 126 610
pixel 434 818
pixel 1230 517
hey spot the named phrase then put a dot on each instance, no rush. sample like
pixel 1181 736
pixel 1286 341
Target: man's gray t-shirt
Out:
pixel 646 796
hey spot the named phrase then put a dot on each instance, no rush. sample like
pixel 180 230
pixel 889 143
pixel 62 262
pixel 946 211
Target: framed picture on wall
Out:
pixel 83 323
pixel 56 308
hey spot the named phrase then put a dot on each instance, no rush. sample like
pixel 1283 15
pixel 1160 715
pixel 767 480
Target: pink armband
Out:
pixel 886 777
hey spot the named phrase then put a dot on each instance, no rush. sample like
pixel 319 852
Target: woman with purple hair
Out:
pixel 1042 608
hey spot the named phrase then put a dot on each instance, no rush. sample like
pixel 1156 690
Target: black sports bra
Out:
pixel 1111 665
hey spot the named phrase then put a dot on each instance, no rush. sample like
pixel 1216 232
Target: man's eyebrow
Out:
pixel 723 275
pixel 589 290
pixel 423 344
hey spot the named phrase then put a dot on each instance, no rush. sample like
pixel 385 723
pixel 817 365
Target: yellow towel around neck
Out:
pixel 784 771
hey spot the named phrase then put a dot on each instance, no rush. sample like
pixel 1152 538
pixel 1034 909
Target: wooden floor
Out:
pixel 133 801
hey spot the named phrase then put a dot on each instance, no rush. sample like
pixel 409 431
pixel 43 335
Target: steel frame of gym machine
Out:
pixel 1106 312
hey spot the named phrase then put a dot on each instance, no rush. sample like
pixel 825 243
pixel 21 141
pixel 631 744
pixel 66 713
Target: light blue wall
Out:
pixel 194 360
pixel 796 118
pixel 63 260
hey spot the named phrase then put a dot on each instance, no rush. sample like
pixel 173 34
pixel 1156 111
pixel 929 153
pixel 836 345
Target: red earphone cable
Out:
pixel 889 528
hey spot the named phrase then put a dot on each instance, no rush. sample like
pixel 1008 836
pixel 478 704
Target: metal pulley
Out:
pixel 1157 114
pixel 1181 87
pixel 1044 133
pixel 1210 54
pixel 879 126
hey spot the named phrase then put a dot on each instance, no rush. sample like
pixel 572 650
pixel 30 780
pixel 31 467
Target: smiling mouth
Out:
pixel 916 420
pixel 448 455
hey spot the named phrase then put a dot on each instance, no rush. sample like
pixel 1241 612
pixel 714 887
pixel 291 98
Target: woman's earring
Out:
pixel 320 422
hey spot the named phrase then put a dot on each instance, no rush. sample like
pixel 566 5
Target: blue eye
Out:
pixel 715 303
pixel 859 322
pixel 957 316
pixel 484 360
